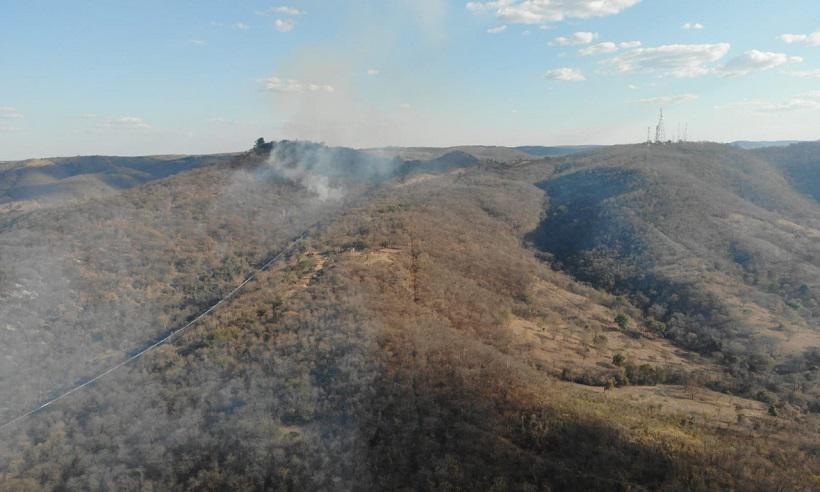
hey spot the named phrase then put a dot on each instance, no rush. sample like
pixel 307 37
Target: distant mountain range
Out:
pixel 762 144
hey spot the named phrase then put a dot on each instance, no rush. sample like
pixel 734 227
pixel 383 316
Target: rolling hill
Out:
pixel 800 164
pixel 56 180
pixel 624 318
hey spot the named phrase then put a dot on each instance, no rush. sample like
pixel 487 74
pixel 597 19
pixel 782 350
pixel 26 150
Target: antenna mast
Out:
pixel 660 132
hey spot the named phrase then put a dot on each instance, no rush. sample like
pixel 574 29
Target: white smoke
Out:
pixel 315 183
pixel 328 172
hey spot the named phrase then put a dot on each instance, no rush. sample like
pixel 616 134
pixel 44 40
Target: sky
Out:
pixel 139 77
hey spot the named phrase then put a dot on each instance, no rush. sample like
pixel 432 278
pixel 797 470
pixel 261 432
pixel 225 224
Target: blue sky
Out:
pixel 154 77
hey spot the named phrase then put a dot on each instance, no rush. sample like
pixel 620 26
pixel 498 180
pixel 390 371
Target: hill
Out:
pixel 556 151
pixel 756 144
pixel 800 163
pixel 55 180
pixel 711 242
pixel 481 152
pixel 587 322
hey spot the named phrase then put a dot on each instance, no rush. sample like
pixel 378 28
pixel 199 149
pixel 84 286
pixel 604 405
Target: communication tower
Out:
pixel 660 131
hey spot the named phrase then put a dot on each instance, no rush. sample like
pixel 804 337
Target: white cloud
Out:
pixel 673 60
pixel 542 11
pixel 812 39
pixel 372 72
pixel 496 30
pixel 526 32
pixel 598 49
pixel 10 113
pixel 282 10
pixel 241 26
pixel 128 123
pixel 801 102
pixel 669 100
pixel 284 25
pixel 8 129
pixel 566 74
pixel 607 47
pixel 755 60
pixel 275 84
pixel 198 42
pixel 632 87
pixel 806 74
pixel 575 39
pixel 692 25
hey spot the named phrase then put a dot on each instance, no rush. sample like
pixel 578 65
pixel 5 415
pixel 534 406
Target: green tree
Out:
pixel 622 321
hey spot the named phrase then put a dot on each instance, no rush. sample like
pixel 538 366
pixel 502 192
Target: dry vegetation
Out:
pixel 416 340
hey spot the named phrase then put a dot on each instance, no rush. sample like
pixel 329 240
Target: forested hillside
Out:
pixel 800 163
pixel 630 318
pixel 712 243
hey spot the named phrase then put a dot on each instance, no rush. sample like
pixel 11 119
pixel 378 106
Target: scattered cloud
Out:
pixel 8 128
pixel 673 60
pixel 692 25
pixel 281 10
pixel 607 47
pixel 806 74
pixel 598 49
pixel 812 39
pixel 372 72
pixel 497 30
pixel 198 42
pixel 526 32
pixel 668 100
pixel 755 61
pixel 575 39
pixel 127 123
pixel 543 11
pixel 565 74
pixel 632 87
pixel 241 26
pixel 275 84
pixel 284 25
pixel 801 102
pixel 7 112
